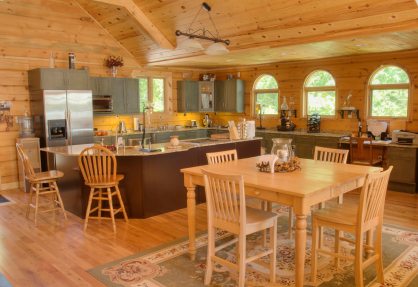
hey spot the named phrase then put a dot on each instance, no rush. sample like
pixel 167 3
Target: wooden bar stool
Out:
pixel 98 166
pixel 356 219
pixel 224 212
pixel 37 180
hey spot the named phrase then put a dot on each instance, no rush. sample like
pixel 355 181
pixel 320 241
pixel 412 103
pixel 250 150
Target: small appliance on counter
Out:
pixel 122 127
pixel 191 124
pixel 403 137
pixel 137 125
pixel 207 122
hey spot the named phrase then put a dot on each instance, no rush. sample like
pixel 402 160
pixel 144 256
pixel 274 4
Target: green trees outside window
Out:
pixel 389 93
pixel 320 93
pixel 153 90
pixel 266 94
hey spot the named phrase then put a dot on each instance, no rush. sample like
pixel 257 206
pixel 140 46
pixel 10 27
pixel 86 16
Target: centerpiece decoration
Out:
pixel 290 165
pixel 113 62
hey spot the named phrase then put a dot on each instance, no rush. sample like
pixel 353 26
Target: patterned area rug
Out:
pixel 169 265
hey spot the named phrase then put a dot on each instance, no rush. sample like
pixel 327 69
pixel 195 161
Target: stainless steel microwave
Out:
pixel 103 104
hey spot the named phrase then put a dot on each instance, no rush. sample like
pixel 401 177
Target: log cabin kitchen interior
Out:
pixel 132 133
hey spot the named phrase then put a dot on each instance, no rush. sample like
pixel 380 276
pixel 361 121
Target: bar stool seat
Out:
pixel 104 180
pixel 37 181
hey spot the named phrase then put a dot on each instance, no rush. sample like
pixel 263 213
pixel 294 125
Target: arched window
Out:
pixel 266 95
pixel 319 94
pixel 389 93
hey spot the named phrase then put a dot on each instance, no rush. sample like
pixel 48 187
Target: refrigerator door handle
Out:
pixel 66 124
pixel 71 127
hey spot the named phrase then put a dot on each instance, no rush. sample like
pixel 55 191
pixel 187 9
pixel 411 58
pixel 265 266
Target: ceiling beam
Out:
pixel 141 20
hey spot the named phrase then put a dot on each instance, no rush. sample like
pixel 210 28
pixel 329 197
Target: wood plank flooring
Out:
pixel 57 253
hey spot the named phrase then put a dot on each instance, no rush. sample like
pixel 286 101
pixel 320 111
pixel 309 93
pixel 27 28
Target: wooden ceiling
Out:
pixel 261 32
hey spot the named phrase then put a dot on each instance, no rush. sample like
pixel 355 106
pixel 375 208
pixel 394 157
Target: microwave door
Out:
pixel 80 117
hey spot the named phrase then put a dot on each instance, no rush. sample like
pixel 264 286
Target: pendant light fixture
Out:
pixel 192 45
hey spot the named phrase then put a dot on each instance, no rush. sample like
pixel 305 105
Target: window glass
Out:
pixel 322 102
pixel 267 82
pixel 269 103
pixel 321 79
pixel 143 92
pixel 390 75
pixel 158 94
pixel 389 103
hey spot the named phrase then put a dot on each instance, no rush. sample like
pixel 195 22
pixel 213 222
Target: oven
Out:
pixel 103 104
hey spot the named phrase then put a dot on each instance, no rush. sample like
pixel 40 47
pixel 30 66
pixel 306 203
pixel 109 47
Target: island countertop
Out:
pixel 75 150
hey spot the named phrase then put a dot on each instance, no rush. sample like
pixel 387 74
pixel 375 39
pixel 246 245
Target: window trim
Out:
pixel 306 90
pixel 255 91
pixel 370 87
pixel 150 91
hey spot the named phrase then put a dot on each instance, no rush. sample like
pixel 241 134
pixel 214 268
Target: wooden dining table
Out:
pixel 316 182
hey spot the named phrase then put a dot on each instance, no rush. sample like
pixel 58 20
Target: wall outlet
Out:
pixel 379 157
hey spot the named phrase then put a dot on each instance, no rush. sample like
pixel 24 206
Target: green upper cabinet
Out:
pixel 58 79
pixel 117 92
pixel 230 96
pixel 101 86
pixel 187 96
pixel 132 96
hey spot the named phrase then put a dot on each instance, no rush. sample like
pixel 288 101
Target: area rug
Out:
pixel 169 265
pixel 5 201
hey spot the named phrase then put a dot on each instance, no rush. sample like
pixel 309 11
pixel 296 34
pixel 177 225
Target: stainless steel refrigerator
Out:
pixel 62 118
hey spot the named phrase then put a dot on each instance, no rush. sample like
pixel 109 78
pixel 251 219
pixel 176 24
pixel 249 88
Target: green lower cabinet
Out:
pixel 404 173
pixel 162 137
pixel 202 134
pixel 327 142
pixel 305 151
pixel 181 135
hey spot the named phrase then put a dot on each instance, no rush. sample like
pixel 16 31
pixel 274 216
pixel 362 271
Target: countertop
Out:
pixel 382 143
pixel 75 150
pixel 301 133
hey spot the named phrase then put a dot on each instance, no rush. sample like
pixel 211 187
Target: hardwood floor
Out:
pixel 57 253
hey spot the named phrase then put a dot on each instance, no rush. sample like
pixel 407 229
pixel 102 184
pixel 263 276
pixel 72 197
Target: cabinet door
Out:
pixel 202 133
pixel 192 96
pixel 132 96
pixel 181 135
pixel 328 142
pixel 53 79
pixel 105 85
pixel 206 96
pixel 192 134
pixel 118 86
pixel 94 86
pixel 162 137
pixel 261 135
pixel 78 80
pixel 231 95
pixel 404 164
pixel 220 96
pixel 305 151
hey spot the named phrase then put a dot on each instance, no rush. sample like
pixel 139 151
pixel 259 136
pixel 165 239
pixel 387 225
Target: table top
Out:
pixel 313 178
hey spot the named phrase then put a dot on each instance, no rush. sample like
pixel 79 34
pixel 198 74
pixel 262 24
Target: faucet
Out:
pixel 116 136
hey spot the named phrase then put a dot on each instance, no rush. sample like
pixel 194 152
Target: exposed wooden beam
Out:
pixel 141 20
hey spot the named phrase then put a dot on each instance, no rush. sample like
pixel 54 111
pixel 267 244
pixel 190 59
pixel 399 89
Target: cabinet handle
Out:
pixel 128 106
pixel 100 88
pixel 187 105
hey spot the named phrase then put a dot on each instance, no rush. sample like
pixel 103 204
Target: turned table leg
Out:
pixel 191 212
pixel 301 209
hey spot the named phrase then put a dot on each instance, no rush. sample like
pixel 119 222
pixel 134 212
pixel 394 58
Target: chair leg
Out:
pixel 112 214
pixel 54 196
pixel 100 203
pixel 121 204
pixel 369 241
pixel 88 208
pixel 30 200
pixel 273 246
pixel 236 248
pixel 314 256
pixel 358 260
pixel 241 262
pixel 211 252
pixel 36 203
pixel 337 248
pixel 291 222
pixel 378 250
pixel 58 195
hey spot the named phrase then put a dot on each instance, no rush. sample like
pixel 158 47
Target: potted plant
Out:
pixel 113 62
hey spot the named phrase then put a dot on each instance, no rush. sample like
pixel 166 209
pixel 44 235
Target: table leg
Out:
pixel 191 211
pixel 300 248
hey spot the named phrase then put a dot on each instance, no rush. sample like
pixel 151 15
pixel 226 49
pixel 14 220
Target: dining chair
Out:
pixel 224 212
pixel 37 180
pixel 328 155
pixel 360 158
pixel 98 166
pixel 231 155
pixel 355 219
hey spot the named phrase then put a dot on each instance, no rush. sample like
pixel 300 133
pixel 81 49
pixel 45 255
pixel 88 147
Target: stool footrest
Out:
pixel 100 198
pixel 52 209
pixel 94 209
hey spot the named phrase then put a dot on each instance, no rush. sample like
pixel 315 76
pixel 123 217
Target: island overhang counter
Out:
pixel 152 184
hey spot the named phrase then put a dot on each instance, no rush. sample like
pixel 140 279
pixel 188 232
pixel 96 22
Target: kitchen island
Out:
pixel 153 183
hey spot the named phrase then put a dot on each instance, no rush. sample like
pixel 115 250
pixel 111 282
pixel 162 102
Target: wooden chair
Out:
pixel 231 155
pixel 360 158
pixel 328 155
pixel 98 166
pixel 224 212
pixel 37 180
pixel 357 220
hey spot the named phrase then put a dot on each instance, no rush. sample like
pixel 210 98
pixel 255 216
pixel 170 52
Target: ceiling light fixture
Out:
pixel 192 45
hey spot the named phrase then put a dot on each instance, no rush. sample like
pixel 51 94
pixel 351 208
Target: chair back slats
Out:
pixel 372 198
pixel 331 155
pixel 29 172
pixel 360 149
pixel 98 165
pixel 223 156
pixel 222 197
